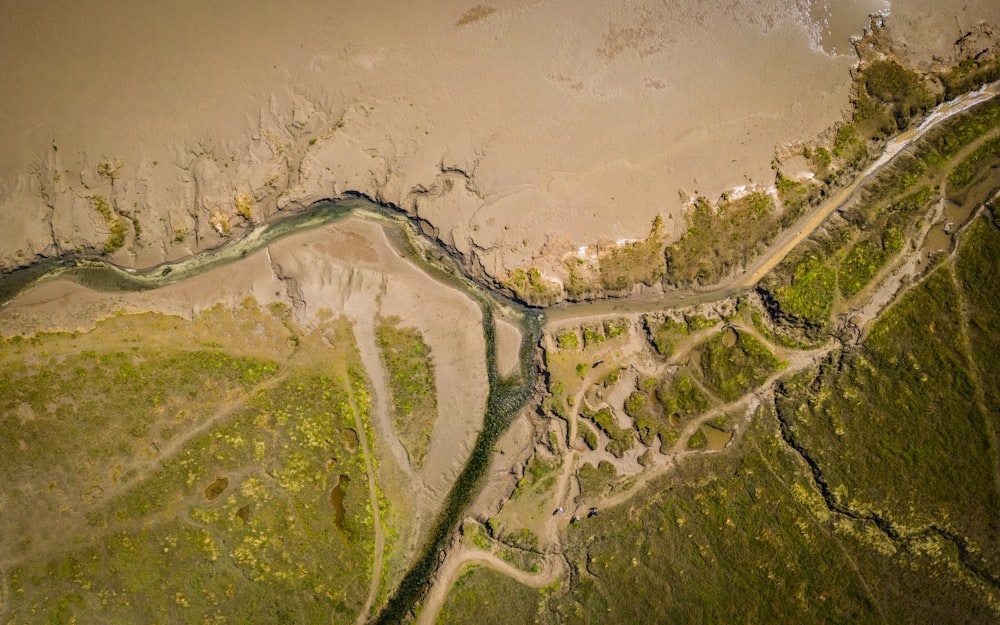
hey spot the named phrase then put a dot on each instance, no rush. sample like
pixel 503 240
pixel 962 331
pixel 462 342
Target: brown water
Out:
pixel 717 439
pixel 939 237
pixel 337 501
pixel 729 337
pixel 351 440
pixel 216 488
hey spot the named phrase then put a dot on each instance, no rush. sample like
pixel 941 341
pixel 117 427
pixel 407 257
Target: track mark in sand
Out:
pixel 373 501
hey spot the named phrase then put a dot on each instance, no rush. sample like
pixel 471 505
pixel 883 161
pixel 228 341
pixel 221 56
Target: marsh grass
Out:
pixel 721 238
pixel 245 507
pixel 410 366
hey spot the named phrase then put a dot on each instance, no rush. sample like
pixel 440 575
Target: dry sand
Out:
pixel 503 124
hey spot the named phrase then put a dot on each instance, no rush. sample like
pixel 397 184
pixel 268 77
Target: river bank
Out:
pixel 200 155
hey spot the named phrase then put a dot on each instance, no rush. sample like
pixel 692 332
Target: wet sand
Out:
pixel 505 125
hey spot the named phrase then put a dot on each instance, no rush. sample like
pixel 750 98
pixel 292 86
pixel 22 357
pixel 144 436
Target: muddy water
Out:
pixel 216 488
pixel 337 501
pixel 729 337
pixel 941 236
pixel 834 22
pixel 717 439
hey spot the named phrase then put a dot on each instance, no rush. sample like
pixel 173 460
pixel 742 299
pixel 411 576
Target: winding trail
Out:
pixel 376 515
pixel 575 314
pixel 784 242
pixel 460 557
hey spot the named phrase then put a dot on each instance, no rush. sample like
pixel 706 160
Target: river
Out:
pixel 506 395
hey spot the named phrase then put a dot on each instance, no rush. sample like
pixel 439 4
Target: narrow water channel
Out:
pixel 506 395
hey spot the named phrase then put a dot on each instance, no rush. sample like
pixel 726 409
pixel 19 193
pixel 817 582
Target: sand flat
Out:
pixel 503 124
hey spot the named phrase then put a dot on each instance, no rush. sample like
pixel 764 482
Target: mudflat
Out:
pixel 506 126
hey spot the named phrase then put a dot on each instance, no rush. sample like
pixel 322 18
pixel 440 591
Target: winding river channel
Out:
pixel 506 395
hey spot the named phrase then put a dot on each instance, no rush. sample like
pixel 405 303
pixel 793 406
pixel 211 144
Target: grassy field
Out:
pixel 410 366
pixel 484 596
pixel 194 482
pixel 721 238
pixel 866 492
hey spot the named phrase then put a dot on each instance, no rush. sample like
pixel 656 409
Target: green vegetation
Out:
pixel 539 476
pixel 102 207
pixel 487 597
pixel 659 407
pixel 947 140
pixel 746 537
pixel 529 286
pixel 614 328
pixel 410 367
pixel 116 238
pixel 698 440
pixel 810 294
pixel 132 455
pixel 593 334
pixel 849 146
pixel 899 90
pixel 977 273
pixel 795 196
pixel 662 332
pixel 820 158
pixel 110 169
pixel 721 238
pixel 682 397
pixel 984 157
pixel 622 266
pixel 731 371
pixel 899 432
pixel 568 339
pixel 595 482
pixel 622 440
pixel 841 262
pixel 243 203
pixel 844 260
pixel 970 74
pixel 117 226
pixel 865 259
pixel 871 479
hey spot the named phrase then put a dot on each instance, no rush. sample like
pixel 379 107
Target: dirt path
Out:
pixel 168 450
pixel 376 517
pixel 783 243
pixel 459 557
